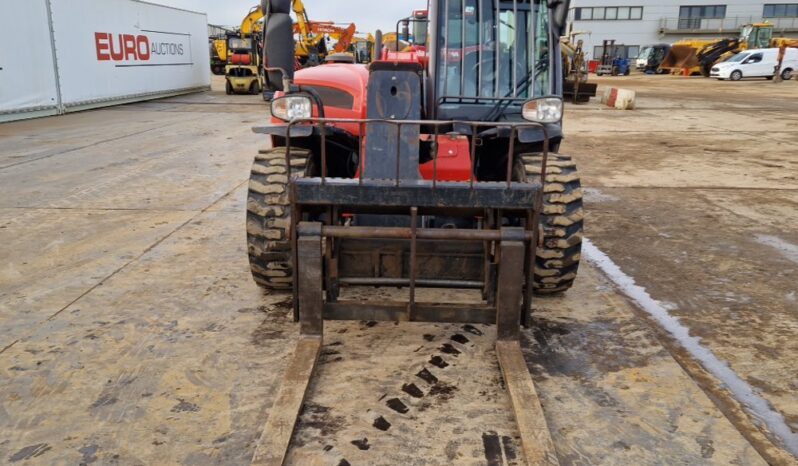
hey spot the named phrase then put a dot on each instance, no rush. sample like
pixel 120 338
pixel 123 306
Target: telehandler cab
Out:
pixel 433 171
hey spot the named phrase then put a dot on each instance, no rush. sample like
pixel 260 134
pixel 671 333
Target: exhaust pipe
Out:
pixel 377 45
pixel 279 47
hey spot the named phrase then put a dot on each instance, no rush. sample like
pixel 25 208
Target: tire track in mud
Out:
pixel 756 407
pixel 417 410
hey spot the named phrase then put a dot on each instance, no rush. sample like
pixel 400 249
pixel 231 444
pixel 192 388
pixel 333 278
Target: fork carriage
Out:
pixel 377 229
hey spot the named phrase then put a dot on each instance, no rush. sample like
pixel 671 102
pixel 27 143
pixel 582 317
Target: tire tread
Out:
pixel 562 221
pixel 269 217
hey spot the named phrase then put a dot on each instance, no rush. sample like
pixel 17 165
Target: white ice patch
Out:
pixel 668 306
pixel 594 195
pixel 743 392
pixel 788 250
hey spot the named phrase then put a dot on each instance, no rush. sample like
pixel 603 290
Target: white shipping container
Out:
pixel 111 50
pixel 27 74
pixel 70 55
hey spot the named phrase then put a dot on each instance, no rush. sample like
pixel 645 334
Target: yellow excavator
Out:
pixel 575 73
pixel 395 42
pixel 311 46
pixel 693 56
pixel 783 45
pixel 243 51
pixel 218 55
pixel 363 48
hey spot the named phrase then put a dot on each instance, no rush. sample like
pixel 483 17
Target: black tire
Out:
pixel 736 75
pixel 228 88
pixel 269 217
pixel 254 89
pixel 562 221
pixel 786 74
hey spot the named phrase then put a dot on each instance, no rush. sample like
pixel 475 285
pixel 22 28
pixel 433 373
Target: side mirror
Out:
pixel 559 15
pixel 279 48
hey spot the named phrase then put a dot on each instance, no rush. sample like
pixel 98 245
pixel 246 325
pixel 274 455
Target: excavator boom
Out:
pixel 301 17
pixel 250 22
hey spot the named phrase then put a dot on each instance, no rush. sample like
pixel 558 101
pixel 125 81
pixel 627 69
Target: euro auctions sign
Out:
pixel 146 48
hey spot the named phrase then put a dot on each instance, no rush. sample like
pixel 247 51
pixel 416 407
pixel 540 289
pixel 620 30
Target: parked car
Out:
pixel 756 63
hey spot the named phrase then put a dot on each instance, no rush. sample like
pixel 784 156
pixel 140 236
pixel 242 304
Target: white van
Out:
pixel 756 63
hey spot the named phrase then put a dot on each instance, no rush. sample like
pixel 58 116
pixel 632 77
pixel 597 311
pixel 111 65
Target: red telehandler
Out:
pixel 438 169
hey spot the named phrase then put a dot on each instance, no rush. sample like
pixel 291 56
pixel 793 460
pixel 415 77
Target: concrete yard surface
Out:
pixel 131 332
pixel 705 183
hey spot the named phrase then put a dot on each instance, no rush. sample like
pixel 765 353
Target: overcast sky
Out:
pixel 369 15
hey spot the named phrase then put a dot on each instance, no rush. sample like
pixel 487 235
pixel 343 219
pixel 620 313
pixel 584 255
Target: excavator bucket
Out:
pixel 579 92
pixel 680 57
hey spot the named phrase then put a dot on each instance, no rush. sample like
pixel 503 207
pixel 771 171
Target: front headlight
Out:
pixel 292 107
pixel 543 110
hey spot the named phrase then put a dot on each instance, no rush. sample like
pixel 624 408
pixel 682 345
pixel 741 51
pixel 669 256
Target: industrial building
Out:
pixel 637 23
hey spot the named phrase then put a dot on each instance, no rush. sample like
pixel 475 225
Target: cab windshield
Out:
pixel 645 54
pixel 236 43
pixel 758 36
pixel 493 51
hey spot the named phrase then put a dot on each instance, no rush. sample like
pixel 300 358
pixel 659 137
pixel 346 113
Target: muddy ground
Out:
pixel 131 332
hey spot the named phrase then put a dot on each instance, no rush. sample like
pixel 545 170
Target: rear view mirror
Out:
pixel 559 15
pixel 279 43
